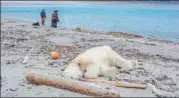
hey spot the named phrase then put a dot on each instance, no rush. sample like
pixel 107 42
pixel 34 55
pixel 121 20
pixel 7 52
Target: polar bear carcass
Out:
pixel 97 61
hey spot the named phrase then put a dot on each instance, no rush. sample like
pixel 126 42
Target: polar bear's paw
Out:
pixel 109 72
pixel 133 65
pixel 90 76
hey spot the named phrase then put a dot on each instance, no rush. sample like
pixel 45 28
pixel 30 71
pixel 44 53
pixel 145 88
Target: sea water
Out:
pixel 160 20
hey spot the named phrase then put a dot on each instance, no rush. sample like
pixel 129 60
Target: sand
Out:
pixel 19 39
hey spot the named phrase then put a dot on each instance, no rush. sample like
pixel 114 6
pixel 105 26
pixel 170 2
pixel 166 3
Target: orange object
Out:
pixel 43 19
pixel 55 55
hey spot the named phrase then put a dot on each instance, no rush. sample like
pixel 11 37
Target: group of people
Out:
pixel 54 18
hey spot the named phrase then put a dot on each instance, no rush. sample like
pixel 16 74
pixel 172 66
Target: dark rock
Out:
pixel 8 62
pixel 157 55
pixel 29 87
pixel 13 89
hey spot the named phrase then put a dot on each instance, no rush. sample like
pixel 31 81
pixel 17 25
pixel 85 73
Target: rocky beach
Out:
pixel 160 59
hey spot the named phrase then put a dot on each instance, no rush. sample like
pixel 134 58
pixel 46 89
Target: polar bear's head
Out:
pixel 73 71
pixel 78 68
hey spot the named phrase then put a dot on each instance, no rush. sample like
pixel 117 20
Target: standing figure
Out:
pixel 43 16
pixel 54 19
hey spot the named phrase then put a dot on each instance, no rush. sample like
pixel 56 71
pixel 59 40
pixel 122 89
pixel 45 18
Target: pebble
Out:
pixel 108 88
pixel 21 84
pixel 55 65
pixel 38 93
pixel 50 63
pixel 13 89
pixel 8 62
pixel 29 87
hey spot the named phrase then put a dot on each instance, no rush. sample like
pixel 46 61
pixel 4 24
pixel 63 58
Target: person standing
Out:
pixel 43 16
pixel 54 19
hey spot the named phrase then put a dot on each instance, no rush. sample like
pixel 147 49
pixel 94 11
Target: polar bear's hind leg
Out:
pixel 116 60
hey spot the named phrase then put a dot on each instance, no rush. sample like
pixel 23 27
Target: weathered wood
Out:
pixel 117 83
pixel 72 85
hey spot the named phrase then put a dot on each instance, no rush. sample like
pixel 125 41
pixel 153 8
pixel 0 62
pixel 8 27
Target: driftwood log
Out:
pixel 117 83
pixel 72 85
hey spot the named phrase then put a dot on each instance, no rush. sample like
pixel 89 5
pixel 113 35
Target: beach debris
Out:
pixel 53 64
pixel 117 83
pixel 78 29
pixel 54 55
pixel 25 60
pixel 89 89
pixel 155 90
pixel 124 35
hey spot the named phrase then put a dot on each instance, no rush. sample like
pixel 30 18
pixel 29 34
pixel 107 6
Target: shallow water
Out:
pixel 147 19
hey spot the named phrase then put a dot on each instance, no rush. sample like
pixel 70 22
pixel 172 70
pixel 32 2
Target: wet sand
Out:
pixel 19 38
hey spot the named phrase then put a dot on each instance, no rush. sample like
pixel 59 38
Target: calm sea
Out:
pixel 159 20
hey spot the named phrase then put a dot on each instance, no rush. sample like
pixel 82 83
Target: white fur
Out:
pixel 97 61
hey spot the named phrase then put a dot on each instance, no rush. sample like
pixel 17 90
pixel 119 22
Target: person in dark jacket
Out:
pixel 54 19
pixel 43 16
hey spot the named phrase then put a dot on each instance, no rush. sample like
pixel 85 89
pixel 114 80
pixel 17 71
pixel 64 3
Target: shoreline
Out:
pixel 20 38
pixel 125 35
pixel 114 33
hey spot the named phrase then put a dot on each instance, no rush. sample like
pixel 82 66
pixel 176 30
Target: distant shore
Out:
pixel 4 3
pixel 11 3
